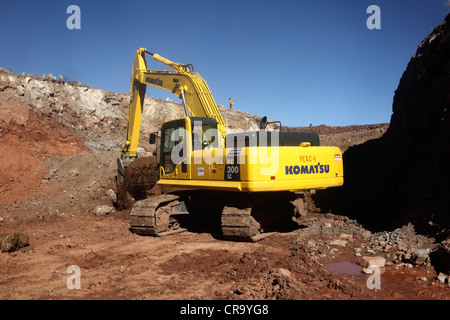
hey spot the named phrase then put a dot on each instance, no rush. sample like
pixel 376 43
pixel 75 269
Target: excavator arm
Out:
pixel 183 82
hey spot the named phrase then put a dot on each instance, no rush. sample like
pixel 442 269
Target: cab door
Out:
pixel 174 150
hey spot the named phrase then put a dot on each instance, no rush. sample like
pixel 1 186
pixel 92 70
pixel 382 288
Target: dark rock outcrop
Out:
pixel 404 176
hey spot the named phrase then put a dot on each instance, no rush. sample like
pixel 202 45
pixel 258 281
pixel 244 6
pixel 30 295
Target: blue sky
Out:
pixel 298 62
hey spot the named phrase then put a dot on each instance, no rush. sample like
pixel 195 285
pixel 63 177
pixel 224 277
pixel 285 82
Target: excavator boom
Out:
pixel 183 82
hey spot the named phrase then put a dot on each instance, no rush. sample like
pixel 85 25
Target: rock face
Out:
pixel 419 134
pixel 98 116
pixel 405 175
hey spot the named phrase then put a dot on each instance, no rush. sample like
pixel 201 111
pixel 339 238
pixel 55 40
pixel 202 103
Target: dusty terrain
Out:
pixel 59 143
pixel 52 185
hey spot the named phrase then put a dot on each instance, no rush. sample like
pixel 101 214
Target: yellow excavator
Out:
pixel 252 180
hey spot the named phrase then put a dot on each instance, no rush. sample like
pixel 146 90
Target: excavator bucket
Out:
pixel 135 179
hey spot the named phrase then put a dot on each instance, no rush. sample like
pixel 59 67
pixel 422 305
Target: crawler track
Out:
pixel 152 216
pixel 243 216
pixel 239 224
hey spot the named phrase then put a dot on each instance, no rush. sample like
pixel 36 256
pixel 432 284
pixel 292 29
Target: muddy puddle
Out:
pixel 395 282
pixel 348 268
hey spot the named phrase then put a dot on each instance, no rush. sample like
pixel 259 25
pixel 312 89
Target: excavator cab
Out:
pixel 182 142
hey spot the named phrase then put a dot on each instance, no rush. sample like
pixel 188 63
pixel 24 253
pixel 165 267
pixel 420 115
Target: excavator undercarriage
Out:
pixel 242 216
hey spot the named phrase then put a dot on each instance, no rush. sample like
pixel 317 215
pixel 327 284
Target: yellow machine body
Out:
pixel 211 163
pixel 252 168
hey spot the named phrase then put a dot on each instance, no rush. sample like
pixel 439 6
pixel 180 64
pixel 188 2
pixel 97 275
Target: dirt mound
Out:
pixel 345 136
pixel 267 273
pixel 26 139
pixel 330 130
pixel 404 175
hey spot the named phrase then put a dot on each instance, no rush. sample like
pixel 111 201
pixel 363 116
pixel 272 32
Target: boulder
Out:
pixel 420 256
pixel 369 262
pixel 11 242
pixel 338 242
pixel 104 210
